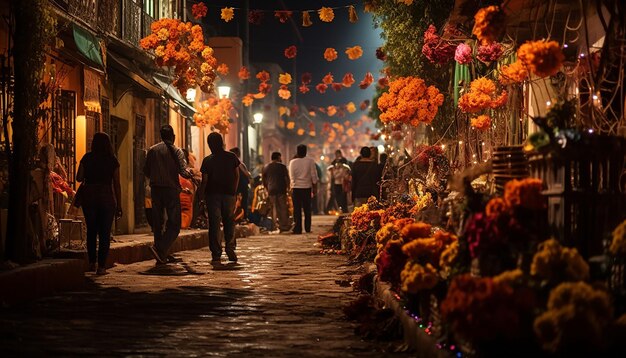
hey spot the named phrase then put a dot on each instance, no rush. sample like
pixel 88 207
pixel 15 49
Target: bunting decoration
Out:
pixel 326 14
pixel 228 13
pixel 352 16
pixel 306 19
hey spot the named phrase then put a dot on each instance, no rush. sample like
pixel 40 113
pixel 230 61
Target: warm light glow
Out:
pixel 381 148
pixel 321 157
pixel 548 103
pixel 443 146
pixel 258 118
pixel 191 95
pixel 460 142
pixel 223 91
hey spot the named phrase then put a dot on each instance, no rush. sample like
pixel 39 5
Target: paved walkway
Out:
pixel 283 299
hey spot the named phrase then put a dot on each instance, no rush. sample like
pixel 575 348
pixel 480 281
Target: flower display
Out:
pixel 326 14
pixel 409 100
pixel 214 113
pixel 284 78
pixel 321 88
pixel 525 193
pixel 223 69
pixel 367 81
pixel 416 277
pixel 354 52
pixel 542 58
pixel 243 73
pixel 199 10
pixel 284 92
pixel 348 80
pixel 435 49
pixel 415 231
pixel 328 79
pixel 513 73
pixel 554 263
pixel 576 320
pixel 482 95
pixel 482 310
pixel 482 122
pixel 618 240
pixel 180 46
pixel 283 15
pixel 291 51
pixel 488 24
pixel 489 52
pixel 463 54
pixel 227 14
pixel 263 76
pixel 255 17
pixel 362 217
pixel 484 235
pixel 306 19
pixel 330 54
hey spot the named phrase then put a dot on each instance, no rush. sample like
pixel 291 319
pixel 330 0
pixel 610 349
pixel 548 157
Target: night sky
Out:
pixel 269 40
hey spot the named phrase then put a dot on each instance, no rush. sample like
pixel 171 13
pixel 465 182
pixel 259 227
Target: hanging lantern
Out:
pixel 306 19
pixel 353 16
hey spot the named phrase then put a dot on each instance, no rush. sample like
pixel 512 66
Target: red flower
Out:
pixel 436 49
pixel 199 10
pixel 291 51
pixel 265 87
pixel 348 80
pixel 337 86
pixel 321 88
pixel 383 82
pixel 304 88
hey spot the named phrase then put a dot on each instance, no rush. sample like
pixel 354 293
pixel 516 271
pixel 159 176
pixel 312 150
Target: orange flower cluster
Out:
pixel 214 113
pixel 409 100
pixel 513 73
pixel 181 46
pixel 482 122
pixel 543 58
pixel 488 24
pixel 330 54
pixel 284 78
pixel 354 52
pixel 482 95
pixel 199 10
pixel 243 74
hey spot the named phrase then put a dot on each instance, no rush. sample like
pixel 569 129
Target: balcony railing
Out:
pixel 136 22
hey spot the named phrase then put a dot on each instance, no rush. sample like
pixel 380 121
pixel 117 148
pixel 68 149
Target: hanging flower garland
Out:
pixel 354 52
pixel 223 69
pixel 482 95
pixel 291 52
pixel 181 46
pixel 243 73
pixel 409 101
pixel 326 14
pixel 367 81
pixel 199 10
pixel 282 15
pixel 330 54
pixel 227 14
pixel 214 113
pixel 348 80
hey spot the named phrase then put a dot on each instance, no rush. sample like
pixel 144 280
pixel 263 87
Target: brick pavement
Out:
pixel 281 300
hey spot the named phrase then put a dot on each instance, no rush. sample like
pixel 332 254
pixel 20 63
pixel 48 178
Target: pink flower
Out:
pixel 490 52
pixel 463 54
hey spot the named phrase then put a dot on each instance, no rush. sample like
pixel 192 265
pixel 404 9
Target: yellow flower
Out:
pixel 326 14
pixel 351 107
pixel 228 13
pixel 300 131
pixel 416 277
pixel 159 51
pixel 354 52
pixel 163 34
pixel 284 78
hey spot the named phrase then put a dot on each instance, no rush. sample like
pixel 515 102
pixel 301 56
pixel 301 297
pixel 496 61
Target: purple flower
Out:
pixel 463 54
pixel 490 52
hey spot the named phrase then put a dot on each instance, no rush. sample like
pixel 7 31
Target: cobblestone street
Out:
pixel 283 299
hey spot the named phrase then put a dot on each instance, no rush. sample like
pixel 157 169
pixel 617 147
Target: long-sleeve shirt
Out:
pixel 161 167
pixel 303 173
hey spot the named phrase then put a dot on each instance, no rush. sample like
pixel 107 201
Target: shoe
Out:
pixel 154 253
pixel 101 271
pixel 232 257
pixel 172 259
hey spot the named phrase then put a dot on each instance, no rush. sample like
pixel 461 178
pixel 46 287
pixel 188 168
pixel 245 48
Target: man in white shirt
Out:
pixel 303 175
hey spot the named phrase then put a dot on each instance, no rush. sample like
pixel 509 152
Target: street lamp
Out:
pixel 191 95
pixel 258 118
pixel 223 91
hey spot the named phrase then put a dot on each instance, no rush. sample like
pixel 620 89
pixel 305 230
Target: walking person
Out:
pixel 99 174
pixel 365 177
pixel 164 163
pixel 243 185
pixel 303 175
pixel 276 181
pixel 220 178
pixel 339 176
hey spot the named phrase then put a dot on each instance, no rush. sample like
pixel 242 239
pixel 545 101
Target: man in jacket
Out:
pixel 276 181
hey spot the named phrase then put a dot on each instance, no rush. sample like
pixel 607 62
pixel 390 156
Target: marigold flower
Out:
pixel 328 79
pixel 348 80
pixel 223 69
pixel 199 10
pixel 331 111
pixel 303 88
pixel 291 52
pixel 409 100
pixel 300 131
pixel 263 76
pixel 513 73
pixel 525 193
pixel 243 73
pixel 228 13
pixel 247 100
pixel 326 14
pixel 283 16
pixel 367 81
pixel 264 87
pixel 321 88
pixel 284 78
pixel 543 58
pixel 291 125
pixel 330 54
pixel 488 24
pixel 481 96
pixel 284 92
pixel 351 107
pixel 354 52
pixel 482 122
pixel 416 277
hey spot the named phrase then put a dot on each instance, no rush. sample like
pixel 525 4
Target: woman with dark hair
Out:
pixel 101 199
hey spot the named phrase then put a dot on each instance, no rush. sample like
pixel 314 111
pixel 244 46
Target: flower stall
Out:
pixel 500 227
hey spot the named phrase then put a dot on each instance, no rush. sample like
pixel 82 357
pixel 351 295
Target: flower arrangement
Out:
pixel 481 123
pixel 227 14
pixel 489 52
pixel 435 49
pixel 488 24
pixel 326 14
pixel 513 73
pixel 396 211
pixel 390 262
pixel 291 52
pixel 354 52
pixel 576 320
pixel 542 58
pixel 482 95
pixel 618 240
pixel 553 263
pixel 199 10
pixel 181 46
pixel 463 54
pixel 214 113
pixel 409 100
pixel 362 217
pixel 330 54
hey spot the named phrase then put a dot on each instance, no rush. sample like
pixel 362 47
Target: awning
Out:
pixel 174 94
pixel 88 45
pixel 128 69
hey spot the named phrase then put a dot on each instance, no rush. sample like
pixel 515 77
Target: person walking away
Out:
pixel 243 185
pixel 365 177
pixel 339 174
pixel 164 163
pixel 303 175
pixel 220 178
pixel 101 199
pixel 314 207
pixel 276 181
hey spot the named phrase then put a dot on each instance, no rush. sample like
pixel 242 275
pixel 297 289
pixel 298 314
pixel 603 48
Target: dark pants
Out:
pixel 99 219
pixel 341 197
pixel 280 211
pixel 301 201
pixel 165 200
pixel 221 208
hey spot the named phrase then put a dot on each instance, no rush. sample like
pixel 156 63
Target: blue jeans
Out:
pixel 99 219
pixel 165 200
pixel 221 209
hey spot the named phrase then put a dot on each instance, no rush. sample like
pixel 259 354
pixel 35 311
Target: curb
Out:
pixel 129 253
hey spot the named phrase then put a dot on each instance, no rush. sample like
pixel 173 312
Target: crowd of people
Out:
pixel 217 196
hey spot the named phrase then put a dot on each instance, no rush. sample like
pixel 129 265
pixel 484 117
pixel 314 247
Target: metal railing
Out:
pixel 136 22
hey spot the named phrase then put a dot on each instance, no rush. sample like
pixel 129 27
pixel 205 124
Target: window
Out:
pixel 63 135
